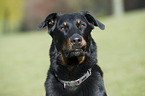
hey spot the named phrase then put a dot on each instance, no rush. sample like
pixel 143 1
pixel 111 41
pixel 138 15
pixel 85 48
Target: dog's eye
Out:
pixel 62 28
pixel 82 25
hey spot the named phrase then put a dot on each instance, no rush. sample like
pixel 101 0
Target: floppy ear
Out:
pixel 92 20
pixel 49 21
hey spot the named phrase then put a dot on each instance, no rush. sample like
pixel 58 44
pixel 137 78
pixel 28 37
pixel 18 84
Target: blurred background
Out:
pixel 24 15
pixel 24 58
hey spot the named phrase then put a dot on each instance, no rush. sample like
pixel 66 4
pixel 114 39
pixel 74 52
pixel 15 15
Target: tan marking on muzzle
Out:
pixel 84 42
pixel 66 45
pixel 68 42
pixel 82 59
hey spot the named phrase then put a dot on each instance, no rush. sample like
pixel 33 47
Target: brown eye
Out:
pixel 62 28
pixel 82 25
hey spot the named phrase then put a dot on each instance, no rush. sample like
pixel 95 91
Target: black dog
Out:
pixel 73 70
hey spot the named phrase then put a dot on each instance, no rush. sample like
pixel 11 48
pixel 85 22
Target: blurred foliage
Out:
pixel 24 15
pixel 10 15
pixel 101 7
pixel 36 10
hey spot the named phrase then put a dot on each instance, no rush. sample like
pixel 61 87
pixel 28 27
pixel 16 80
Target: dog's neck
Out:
pixel 75 82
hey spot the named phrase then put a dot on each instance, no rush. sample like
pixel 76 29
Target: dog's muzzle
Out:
pixel 77 46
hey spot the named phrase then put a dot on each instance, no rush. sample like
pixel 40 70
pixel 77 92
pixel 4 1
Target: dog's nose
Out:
pixel 76 39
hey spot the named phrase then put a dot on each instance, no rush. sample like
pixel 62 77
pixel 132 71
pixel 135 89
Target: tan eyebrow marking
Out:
pixel 79 21
pixel 64 23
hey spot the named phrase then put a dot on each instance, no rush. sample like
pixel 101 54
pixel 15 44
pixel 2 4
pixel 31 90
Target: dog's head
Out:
pixel 71 32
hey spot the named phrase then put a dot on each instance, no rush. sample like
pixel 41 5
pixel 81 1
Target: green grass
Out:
pixel 24 59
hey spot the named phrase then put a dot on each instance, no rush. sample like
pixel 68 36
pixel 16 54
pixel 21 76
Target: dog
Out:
pixel 73 54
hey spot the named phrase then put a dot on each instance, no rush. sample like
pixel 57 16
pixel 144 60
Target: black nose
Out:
pixel 76 39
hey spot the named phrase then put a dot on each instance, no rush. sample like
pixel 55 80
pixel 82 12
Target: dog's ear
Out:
pixel 92 20
pixel 49 21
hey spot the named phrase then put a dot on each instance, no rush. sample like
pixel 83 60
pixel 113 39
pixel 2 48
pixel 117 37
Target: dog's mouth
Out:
pixel 74 53
pixel 74 57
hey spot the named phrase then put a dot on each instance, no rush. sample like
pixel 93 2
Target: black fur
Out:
pixel 68 63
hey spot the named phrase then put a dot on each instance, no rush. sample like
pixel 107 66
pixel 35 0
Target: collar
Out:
pixel 75 82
